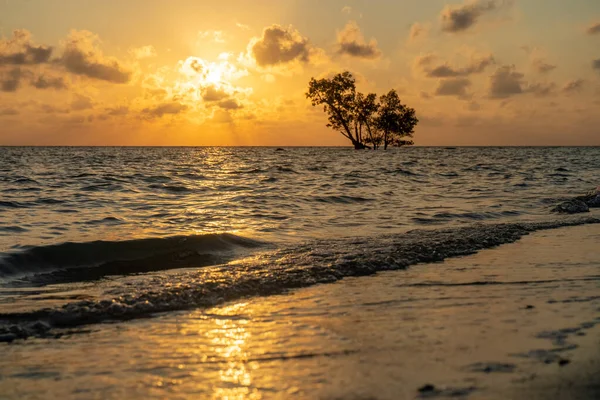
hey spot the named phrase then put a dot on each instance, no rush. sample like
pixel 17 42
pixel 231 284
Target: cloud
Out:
pixel 50 109
pixel 475 66
pixel 424 60
pixel 8 111
pixel 347 10
pixel 541 66
pixel 161 110
pixel 352 42
pixel 49 82
pixel 453 87
pixel 459 18
pixel 212 93
pixel 279 45
pixel 575 85
pixel 417 31
pixel 82 57
pixel 117 111
pixel 594 29
pixel 11 80
pixel 20 50
pixel 541 89
pixel 229 104
pixel 506 82
pixel 596 64
pixel 81 102
pixel 109 112
pixel 143 52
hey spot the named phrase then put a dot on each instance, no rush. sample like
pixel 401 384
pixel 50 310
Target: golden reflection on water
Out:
pixel 230 339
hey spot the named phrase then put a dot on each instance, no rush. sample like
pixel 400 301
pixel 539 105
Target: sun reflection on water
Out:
pixel 230 339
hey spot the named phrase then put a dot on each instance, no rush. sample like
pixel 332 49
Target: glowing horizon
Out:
pixel 196 73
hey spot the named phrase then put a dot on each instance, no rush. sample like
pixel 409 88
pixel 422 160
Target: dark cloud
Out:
pixel 229 104
pixel 279 45
pixel 573 86
pixel 542 67
pixel 19 50
pixel 506 82
pixel 351 42
pixel 594 29
pixel 11 80
pixel 460 18
pixel 446 71
pixel 453 87
pixel 47 82
pixel 82 57
pixel 161 110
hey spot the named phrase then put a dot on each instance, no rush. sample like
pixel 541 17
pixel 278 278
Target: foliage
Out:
pixel 366 122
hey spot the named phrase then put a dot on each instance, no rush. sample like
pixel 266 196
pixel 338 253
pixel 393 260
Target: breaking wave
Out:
pixel 269 272
pixel 93 260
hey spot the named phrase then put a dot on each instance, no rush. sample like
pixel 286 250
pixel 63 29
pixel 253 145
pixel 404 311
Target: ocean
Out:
pixel 115 235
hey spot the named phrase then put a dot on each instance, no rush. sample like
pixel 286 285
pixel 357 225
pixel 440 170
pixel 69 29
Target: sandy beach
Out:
pixel 517 321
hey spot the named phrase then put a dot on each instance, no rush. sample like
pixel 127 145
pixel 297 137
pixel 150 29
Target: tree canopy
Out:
pixel 365 121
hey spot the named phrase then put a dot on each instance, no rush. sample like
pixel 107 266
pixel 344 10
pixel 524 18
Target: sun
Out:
pixel 201 80
pixel 219 73
pixel 214 75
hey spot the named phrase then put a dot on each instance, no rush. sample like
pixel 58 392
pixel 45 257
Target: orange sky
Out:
pixel 234 72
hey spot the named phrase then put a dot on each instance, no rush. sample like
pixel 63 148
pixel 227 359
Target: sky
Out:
pixel 234 72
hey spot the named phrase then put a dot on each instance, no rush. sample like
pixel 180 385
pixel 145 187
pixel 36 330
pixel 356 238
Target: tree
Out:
pixel 337 95
pixel 395 120
pixel 365 109
pixel 361 119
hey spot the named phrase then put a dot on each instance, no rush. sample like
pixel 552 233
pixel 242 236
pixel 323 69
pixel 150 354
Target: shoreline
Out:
pixel 321 261
pixel 463 326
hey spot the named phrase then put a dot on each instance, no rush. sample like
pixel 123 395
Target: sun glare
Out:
pixel 217 78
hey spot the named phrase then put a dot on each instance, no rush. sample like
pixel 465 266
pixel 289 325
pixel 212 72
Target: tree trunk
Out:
pixel 358 145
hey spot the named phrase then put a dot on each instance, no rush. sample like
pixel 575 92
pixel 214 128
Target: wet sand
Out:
pixel 521 321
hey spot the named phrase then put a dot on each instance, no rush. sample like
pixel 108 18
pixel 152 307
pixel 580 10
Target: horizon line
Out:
pixel 287 146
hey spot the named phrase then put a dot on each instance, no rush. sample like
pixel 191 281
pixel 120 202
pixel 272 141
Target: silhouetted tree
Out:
pixel 365 110
pixel 361 118
pixel 337 95
pixel 395 120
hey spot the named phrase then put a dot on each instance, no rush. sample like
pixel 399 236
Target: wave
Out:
pixel 401 171
pixel 12 204
pixel 341 199
pixel 316 262
pixel 69 262
pixel 171 188
pixel 444 217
